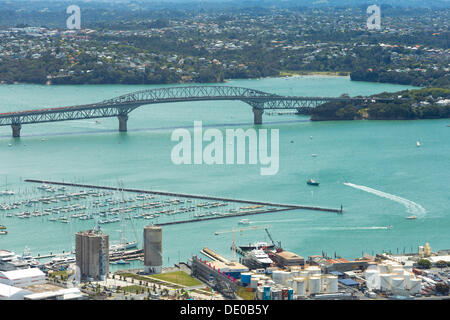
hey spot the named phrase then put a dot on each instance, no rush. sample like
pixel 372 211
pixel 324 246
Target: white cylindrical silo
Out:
pixel 153 249
pixel 254 282
pixel 385 282
pixel 299 287
pixel 415 286
pixel 372 279
pixel 407 276
pixel 313 270
pixel 314 285
pixel 383 268
pixel 277 276
pixel 332 284
pixel 398 285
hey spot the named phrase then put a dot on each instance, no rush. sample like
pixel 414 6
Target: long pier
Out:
pixel 184 195
pixel 222 217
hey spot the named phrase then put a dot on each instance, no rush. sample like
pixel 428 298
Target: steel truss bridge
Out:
pixel 121 106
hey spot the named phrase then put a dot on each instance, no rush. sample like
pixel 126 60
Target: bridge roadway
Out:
pixel 121 106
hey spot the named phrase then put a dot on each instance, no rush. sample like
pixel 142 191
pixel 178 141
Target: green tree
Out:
pixel 424 264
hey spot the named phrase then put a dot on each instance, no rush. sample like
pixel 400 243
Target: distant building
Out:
pixel 153 249
pixel 92 254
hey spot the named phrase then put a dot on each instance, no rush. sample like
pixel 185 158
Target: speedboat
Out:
pixel 312 182
pixel 417 143
pixel 411 217
pixel 244 221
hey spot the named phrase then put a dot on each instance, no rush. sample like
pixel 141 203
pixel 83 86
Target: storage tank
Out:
pixel 290 294
pixel 398 285
pixel 314 285
pixel 385 281
pixel 266 293
pixel 383 268
pixel 285 293
pixel 276 294
pixel 372 277
pixel 332 284
pixel 314 270
pixel 285 276
pixel 153 249
pixel 407 276
pixel 304 273
pixel 259 293
pixel 254 282
pixel 290 283
pixel 277 276
pixel 415 286
pixel 300 286
pixel 245 278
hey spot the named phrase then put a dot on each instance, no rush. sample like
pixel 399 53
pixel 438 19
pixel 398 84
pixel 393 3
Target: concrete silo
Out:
pixel 153 249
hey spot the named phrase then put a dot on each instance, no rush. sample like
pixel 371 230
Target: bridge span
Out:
pixel 121 106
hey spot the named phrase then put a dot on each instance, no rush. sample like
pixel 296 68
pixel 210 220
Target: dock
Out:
pixel 192 196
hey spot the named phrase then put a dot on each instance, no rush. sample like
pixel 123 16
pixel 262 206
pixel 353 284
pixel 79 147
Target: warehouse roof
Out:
pixel 348 282
pixel 23 273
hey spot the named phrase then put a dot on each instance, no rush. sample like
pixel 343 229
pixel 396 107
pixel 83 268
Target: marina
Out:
pixel 144 152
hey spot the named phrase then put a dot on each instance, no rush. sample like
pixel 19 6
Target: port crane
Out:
pixel 277 247
pixel 233 230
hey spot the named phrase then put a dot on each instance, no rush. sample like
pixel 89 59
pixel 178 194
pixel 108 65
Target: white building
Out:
pixel 64 294
pixel 22 278
pixel 12 293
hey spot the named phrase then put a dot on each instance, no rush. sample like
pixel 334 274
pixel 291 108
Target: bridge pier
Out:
pixel 123 123
pixel 16 130
pixel 257 115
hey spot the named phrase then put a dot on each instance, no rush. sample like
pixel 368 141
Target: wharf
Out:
pixel 222 217
pixel 191 196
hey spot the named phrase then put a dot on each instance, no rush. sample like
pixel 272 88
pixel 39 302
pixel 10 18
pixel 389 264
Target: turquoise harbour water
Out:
pixel 381 155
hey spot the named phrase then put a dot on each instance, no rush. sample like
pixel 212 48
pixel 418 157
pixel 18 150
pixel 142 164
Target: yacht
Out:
pixel 257 258
pixel 312 182
pixel 256 245
pixel 127 245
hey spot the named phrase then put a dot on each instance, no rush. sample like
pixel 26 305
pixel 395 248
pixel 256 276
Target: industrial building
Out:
pixel 153 249
pixel 293 284
pixel 286 259
pixel 22 278
pixel 92 254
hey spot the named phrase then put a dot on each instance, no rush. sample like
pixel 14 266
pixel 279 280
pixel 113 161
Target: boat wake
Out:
pixel 411 206
pixel 352 228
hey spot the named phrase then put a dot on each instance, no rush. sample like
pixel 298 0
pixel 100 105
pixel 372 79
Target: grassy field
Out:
pixel 133 288
pixel 178 277
pixel 246 295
